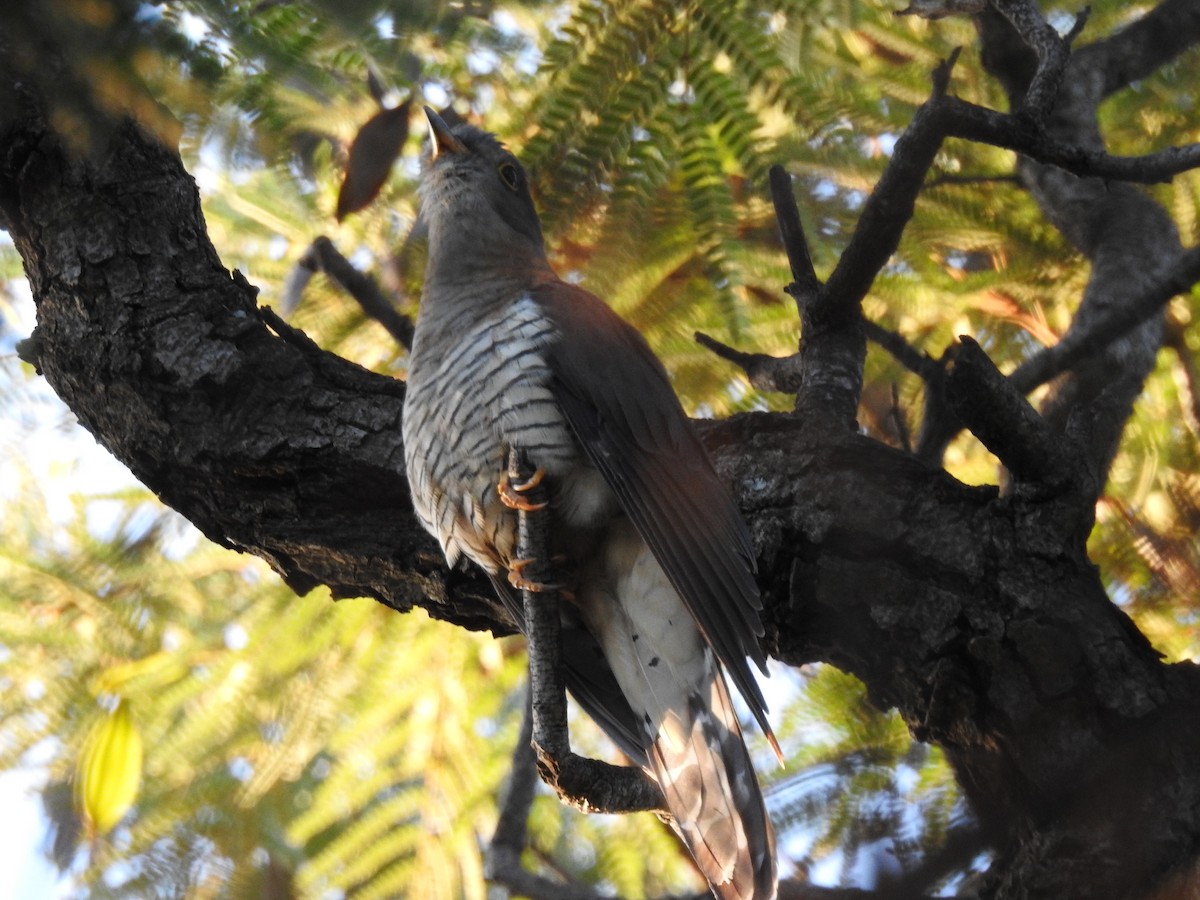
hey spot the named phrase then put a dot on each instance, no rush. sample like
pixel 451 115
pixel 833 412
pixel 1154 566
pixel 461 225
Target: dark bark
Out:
pixel 1128 238
pixel 978 616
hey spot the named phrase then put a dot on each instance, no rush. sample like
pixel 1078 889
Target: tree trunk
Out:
pixel 978 615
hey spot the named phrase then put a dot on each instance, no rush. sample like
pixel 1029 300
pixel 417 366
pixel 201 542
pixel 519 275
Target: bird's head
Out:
pixel 475 199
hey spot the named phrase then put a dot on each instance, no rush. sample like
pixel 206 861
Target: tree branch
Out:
pixel 1052 52
pixel 916 361
pixel 508 843
pixel 1003 420
pixel 1145 46
pixel 590 785
pixel 805 285
pixel 766 373
pixel 1012 132
pixel 887 211
pixel 362 288
pixel 1117 321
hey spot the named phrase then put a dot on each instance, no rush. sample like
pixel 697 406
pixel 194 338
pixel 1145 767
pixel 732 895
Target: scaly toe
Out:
pixel 510 493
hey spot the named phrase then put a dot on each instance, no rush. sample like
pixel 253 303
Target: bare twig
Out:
pixel 587 784
pixel 766 373
pixel 805 285
pixel 976 123
pixel 916 361
pixel 363 289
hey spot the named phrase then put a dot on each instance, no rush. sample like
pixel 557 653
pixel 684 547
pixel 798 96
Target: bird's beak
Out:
pixel 440 136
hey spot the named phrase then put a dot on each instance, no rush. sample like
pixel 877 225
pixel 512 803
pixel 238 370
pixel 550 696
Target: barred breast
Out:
pixel 478 384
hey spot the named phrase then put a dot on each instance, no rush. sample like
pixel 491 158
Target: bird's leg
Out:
pixel 513 492
pixel 537 581
pixel 525 494
pixel 587 784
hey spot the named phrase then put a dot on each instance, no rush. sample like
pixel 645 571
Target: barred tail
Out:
pixel 675 693
pixel 711 790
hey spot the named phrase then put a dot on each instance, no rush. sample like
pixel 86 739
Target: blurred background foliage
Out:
pixel 293 747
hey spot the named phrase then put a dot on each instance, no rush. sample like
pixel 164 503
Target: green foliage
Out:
pixel 280 733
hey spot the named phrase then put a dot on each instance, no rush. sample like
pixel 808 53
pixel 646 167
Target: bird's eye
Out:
pixel 508 174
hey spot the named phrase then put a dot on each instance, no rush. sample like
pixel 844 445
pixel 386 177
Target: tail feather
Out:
pixel 701 763
pixel 674 686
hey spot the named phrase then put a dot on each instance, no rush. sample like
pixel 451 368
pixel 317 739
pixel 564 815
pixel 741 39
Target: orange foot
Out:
pixel 510 493
pixel 518 579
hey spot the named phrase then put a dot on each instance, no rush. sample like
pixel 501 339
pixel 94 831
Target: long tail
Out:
pixel 674 688
pixel 701 763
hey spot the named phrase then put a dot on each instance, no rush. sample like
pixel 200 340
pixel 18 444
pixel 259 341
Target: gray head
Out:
pixel 475 199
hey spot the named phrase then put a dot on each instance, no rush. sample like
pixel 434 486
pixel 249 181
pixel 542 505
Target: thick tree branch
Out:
pixel 131 293
pixel 977 616
pixel 1003 420
pixel 1142 48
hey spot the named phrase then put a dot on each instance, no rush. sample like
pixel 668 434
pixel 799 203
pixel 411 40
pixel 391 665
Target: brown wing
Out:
pixel 619 401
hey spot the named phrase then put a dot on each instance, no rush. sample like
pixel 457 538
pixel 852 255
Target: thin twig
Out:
pixel 766 373
pixel 916 361
pixel 363 289
pixel 986 126
pixel 805 284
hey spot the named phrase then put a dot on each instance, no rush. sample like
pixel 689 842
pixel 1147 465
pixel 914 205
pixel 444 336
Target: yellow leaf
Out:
pixel 109 771
pixel 161 667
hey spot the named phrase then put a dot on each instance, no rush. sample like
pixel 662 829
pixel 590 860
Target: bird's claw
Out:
pixel 510 492
pixel 522 580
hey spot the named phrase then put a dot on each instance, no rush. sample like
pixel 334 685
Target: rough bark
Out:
pixel 978 616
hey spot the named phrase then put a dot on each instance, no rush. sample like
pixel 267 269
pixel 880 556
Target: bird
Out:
pixel 657 567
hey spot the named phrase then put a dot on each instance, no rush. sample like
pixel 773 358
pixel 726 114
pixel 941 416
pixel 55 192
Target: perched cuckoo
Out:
pixel 656 563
